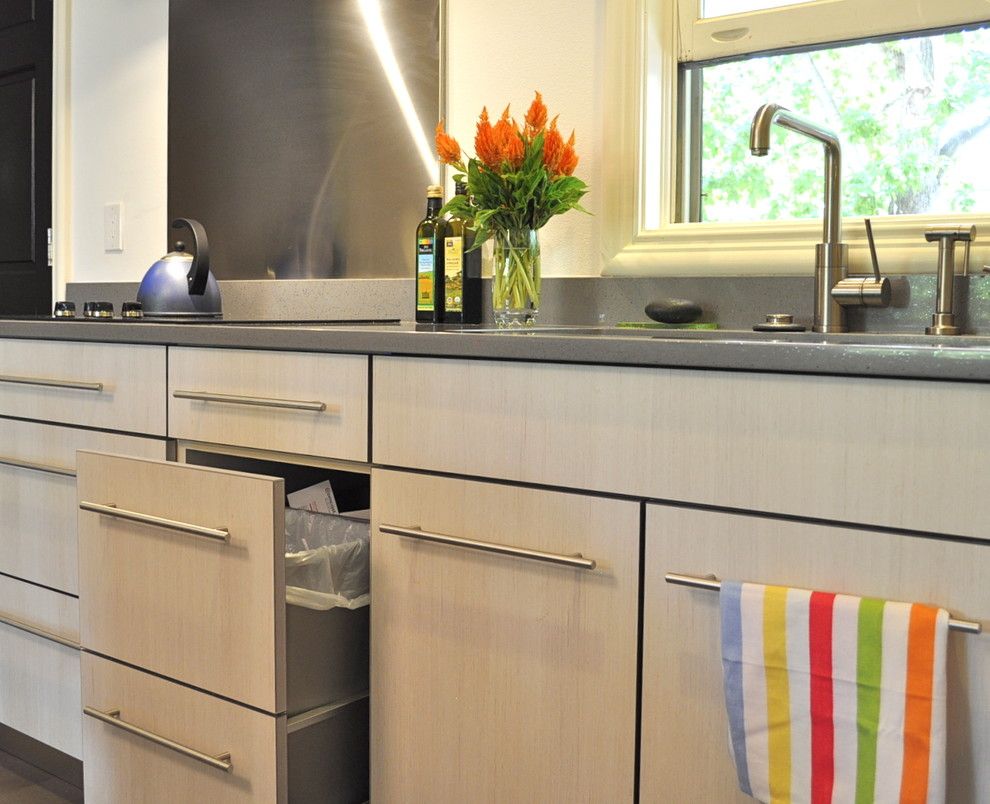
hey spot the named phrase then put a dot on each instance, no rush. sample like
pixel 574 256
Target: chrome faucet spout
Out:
pixel 759 145
pixel 833 289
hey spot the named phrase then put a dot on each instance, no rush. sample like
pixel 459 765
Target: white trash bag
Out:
pixel 327 560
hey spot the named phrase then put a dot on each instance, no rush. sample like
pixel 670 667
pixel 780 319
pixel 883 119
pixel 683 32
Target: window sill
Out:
pixel 788 249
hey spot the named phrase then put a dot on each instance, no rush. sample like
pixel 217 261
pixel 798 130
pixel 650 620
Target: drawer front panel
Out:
pixel 38 497
pixel 122 766
pixel 39 677
pixel 306 404
pixel 50 612
pixel 204 611
pixel 519 673
pixel 847 449
pixel 684 723
pixel 111 386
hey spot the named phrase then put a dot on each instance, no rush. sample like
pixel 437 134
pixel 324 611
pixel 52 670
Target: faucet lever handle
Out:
pixel 864 291
pixel 873 251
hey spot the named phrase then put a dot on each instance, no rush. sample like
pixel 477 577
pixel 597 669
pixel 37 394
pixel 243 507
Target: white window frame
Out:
pixel 640 237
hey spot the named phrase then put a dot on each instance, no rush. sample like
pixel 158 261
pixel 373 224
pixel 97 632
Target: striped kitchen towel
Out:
pixel 834 699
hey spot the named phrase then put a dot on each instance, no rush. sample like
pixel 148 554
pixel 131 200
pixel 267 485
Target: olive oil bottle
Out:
pixel 461 270
pixel 429 260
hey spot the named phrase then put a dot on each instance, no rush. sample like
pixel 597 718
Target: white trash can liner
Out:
pixel 327 560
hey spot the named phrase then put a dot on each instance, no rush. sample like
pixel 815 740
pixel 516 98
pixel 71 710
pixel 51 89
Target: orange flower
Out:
pixel 499 144
pixel 560 157
pixel 553 147
pixel 485 143
pixel 568 158
pixel 536 117
pixel 515 150
pixel 448 149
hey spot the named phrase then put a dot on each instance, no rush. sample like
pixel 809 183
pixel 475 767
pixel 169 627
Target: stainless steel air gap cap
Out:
pixel 779 322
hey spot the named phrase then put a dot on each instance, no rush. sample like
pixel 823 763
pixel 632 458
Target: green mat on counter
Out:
pixel 658 325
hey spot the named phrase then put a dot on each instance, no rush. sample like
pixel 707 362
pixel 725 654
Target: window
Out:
pixel 912 114
pixel 905 85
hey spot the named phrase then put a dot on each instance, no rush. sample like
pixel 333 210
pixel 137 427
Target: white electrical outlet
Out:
pixel 113 224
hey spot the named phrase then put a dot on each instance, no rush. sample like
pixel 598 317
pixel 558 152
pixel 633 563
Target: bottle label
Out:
pixel 453 249
pixel 424 274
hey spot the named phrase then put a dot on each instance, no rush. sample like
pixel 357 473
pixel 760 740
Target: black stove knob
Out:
pixel 98 309
pixel 64 309
pixel 131 309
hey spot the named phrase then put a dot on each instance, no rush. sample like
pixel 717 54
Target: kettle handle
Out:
pixel 199 272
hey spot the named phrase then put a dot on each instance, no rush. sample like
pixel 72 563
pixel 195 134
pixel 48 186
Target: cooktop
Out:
pixel 341 322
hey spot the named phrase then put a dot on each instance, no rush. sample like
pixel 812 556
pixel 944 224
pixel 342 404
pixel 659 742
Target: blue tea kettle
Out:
pixel 180 285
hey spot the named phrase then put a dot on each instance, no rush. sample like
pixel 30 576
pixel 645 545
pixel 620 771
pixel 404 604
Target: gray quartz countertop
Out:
pixel 906 356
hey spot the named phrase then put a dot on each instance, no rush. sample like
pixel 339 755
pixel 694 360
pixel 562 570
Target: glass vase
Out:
pixel 516 277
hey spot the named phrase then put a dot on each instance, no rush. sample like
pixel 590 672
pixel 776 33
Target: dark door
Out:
pixel 25 155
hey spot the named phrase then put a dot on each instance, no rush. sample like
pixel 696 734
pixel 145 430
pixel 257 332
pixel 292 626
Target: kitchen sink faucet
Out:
pixel 834 290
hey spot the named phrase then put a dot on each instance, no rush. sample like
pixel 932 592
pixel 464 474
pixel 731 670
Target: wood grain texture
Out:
pixel 499 679
pixel 133 377
pixel 205 613
pixel 50 611
pixel 339 381
pixel 898 453
pixel 685 750
pixel 122 768
pixel 38 527
pixel 39 679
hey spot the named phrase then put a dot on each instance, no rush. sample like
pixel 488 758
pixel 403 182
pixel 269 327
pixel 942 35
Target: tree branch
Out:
pixel 823 86
pixel 955 142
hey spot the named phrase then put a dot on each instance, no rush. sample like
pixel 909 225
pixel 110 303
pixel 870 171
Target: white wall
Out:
pixel 117 111
pixel 501 53
pixel 498 53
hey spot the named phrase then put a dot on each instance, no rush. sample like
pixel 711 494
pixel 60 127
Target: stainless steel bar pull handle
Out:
pixel 111 510
pixel 713 584
pixel 575 561
pixel 47 468
pixel 257 401
pixel 71 385
pixel 38 632
pixel 112 718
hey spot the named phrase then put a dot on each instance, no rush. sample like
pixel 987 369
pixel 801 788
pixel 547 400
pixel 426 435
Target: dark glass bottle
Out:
pixel 462 270
pixel 429 260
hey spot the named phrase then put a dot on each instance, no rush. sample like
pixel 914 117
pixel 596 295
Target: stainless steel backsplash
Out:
pixel 286 136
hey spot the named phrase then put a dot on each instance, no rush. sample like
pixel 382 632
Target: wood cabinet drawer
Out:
pixel 518 672
pixel 850 449
pixel 111 386
pixel 39 670
pixel 123 766
pixel 185 599
pixel 306 404
pixel 685 756
pixel 38 497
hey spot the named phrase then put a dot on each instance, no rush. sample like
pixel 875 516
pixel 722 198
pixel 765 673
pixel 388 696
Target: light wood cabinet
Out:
pixel 39 673
pixel 206 610
pixel 38 497
pixel 685 754
pixel 182 582
pixel 113 386
pixel 848 449
pixel 122 766
pixel 499 678
pixel 290 402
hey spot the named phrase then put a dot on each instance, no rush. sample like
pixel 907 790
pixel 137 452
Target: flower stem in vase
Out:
pixel 516 277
